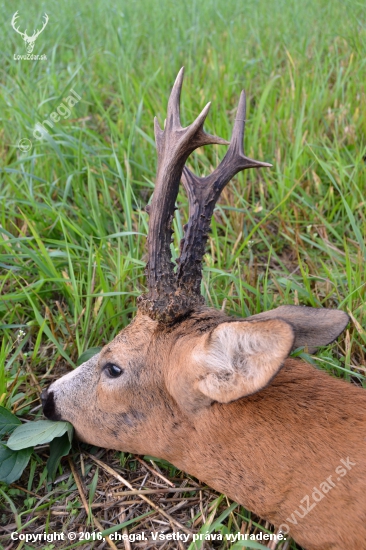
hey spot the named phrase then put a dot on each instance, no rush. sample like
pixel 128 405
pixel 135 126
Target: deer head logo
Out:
pixel 29 40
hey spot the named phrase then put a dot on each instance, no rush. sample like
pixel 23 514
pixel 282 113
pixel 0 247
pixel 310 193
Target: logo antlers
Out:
pixel 29 40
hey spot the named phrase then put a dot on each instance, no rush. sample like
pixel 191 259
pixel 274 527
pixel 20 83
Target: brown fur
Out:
pixel 266 451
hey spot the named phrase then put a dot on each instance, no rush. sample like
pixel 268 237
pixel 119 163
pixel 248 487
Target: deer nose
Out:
pixel 44 396
pixel 49 405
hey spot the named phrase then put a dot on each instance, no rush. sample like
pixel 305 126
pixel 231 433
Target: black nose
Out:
pixel 44 396
pixel 49 406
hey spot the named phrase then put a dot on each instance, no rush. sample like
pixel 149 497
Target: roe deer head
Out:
pixel 217 396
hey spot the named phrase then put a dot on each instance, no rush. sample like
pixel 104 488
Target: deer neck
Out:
pixel 269 450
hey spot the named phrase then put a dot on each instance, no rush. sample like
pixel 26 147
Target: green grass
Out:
pixel 72 220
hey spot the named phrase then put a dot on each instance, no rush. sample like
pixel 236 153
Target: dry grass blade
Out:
pixel 143 497
pixel 154 491
pixel 85 504
pixel 126 542
pixel 153 471
pixel 359 329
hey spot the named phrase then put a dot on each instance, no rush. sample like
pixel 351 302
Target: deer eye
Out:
pixel 112 370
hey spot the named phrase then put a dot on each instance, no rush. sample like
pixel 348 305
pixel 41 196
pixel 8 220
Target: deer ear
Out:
pixel 240 358
pixel 313 327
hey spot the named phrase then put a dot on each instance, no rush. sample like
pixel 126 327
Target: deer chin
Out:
pixel 99 438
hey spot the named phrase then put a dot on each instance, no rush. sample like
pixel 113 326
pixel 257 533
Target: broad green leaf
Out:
pixel 12 463
pixel 8 421
pixel 70 432
pixel 87 354
pixel 59 447
pixel 36 433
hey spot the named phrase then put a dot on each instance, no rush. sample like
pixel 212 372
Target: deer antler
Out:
pixel 24 34
pixel 203 194
pixel 172 295
pixel 37 33
pixel 13 21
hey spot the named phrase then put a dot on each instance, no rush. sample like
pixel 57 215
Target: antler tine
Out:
pixel 14 18
pixel 203 194
pixel 173 110
pixel 37 32
pixel 164 300
pixel 237 137
pixel 14 21
pixel 191 137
